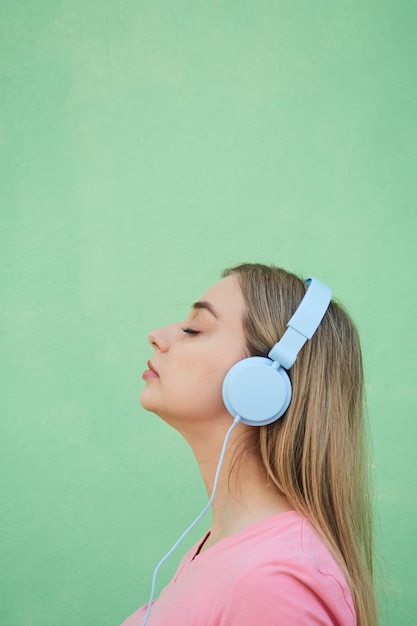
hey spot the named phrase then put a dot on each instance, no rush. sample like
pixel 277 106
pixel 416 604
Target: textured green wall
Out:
pixel 144 146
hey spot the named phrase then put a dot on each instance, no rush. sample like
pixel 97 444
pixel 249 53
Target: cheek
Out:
pixel 210 371
pixel 202 384
pixel 199 394
pixel 190 386
pixel 204 388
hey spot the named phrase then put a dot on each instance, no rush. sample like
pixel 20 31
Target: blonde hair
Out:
pixel 316 453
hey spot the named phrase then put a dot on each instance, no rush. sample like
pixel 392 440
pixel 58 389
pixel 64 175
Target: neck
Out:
pixel 244 496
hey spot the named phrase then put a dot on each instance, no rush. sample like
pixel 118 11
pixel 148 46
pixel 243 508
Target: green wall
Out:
pixel 145 145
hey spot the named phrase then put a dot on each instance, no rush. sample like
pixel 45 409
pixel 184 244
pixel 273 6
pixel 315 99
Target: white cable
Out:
pixel 197 519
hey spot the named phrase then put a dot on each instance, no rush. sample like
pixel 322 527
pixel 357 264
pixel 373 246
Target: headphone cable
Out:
pixel 197 519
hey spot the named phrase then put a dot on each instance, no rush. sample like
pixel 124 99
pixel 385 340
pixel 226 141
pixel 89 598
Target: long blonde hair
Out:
pixel 316 453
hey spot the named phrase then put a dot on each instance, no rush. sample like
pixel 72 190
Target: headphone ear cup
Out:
pixel 256 391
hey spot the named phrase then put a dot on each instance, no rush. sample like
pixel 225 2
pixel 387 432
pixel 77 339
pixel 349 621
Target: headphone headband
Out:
pixel 303 323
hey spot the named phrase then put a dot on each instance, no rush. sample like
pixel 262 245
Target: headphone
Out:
pixel 258 389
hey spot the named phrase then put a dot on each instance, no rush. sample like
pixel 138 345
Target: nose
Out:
pixel 160 338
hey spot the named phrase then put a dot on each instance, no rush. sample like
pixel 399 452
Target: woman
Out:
pixel 290 542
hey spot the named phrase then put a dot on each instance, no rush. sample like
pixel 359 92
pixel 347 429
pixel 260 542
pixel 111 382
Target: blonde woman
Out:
pixel 290 539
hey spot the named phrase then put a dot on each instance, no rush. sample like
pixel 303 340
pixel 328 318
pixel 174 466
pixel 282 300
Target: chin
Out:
pixel 146 400
pixel 150 402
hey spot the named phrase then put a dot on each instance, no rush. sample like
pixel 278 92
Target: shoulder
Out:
pixel 287 575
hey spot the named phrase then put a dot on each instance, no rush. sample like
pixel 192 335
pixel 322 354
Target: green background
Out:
pixel 145 145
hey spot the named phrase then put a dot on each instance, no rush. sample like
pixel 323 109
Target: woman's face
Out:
pixel 191 358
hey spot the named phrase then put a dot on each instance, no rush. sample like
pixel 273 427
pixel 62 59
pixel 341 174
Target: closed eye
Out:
pixel 190 331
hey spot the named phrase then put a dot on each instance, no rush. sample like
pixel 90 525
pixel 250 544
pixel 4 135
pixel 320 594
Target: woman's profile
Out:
pixel 290 540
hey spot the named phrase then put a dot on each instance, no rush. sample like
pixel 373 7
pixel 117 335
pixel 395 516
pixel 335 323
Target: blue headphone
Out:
pixel 258 389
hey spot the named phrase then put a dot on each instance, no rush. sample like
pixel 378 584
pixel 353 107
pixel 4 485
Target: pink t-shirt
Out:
pixel 277 572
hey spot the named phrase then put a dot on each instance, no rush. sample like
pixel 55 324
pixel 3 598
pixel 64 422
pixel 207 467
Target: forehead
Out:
pixel 226 298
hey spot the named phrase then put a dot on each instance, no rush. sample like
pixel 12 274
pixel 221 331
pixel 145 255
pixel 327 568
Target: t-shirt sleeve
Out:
pixel 285 598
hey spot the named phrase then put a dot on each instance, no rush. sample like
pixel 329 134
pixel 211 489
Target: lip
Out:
pixel 150 372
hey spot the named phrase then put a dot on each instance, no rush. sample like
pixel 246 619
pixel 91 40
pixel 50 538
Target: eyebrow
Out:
pixel 201 304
